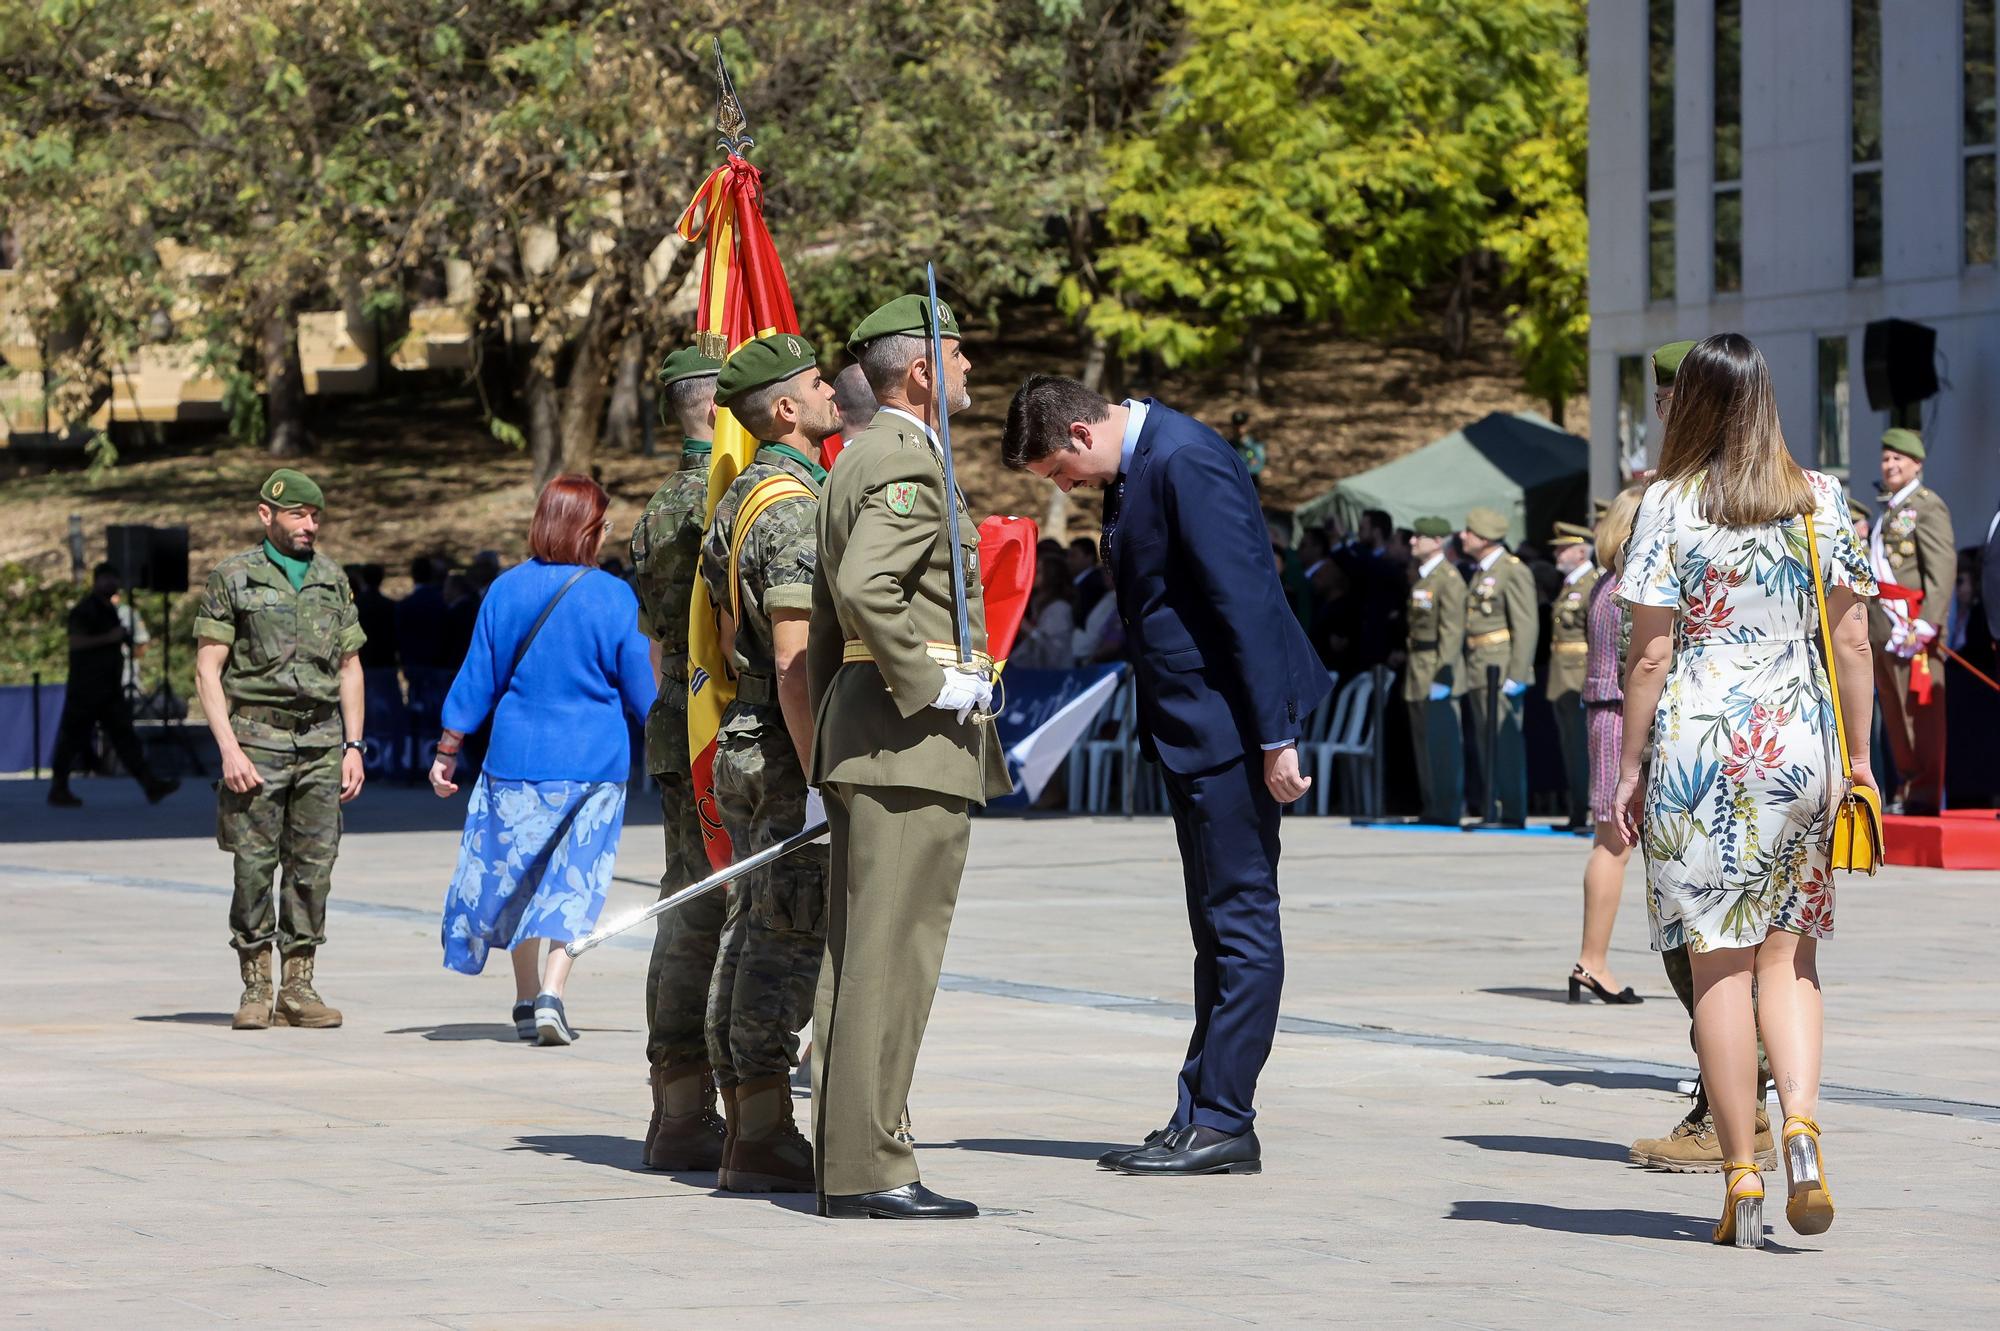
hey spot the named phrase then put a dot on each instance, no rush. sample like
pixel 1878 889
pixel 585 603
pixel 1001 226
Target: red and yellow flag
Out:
pixel 744 295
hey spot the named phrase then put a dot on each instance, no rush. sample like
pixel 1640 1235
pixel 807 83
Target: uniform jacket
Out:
pixel 1501 597
pixel 883 581
pixel 1917 542
pixel 285 646
pixel 666 542
pixel 1223 667
pixel 1569 616
pixel 1437 634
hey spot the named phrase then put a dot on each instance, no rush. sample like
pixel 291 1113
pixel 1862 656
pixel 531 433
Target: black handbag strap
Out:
pixel 536 627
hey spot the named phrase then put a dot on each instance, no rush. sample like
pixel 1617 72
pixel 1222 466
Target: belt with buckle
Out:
pixel 280 718
pixel 855 652
pixel 1489 639
pixel 1569 646
pixel 1429 646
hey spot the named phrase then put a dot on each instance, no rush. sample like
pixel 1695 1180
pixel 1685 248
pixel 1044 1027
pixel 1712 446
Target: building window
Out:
pixel 1865 134
pixel 1632 416
pixel 1833 405
pixel 1728 101
pixel 1981 203
pixel 1660 149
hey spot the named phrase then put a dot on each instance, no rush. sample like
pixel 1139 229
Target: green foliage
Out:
pixel 36 614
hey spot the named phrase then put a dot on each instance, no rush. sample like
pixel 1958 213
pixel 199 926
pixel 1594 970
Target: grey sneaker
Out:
pixel 551 1022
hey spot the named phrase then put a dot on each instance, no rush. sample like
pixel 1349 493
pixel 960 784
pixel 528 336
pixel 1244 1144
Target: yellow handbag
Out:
pixel 1857 823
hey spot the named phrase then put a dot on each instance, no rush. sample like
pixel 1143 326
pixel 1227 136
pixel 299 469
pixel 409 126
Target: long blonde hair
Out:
pixel 1614 529
pixel 1723 422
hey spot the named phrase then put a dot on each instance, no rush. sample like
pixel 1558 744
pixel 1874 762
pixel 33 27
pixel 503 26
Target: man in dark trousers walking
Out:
pixel 96 694
pixel 1226 678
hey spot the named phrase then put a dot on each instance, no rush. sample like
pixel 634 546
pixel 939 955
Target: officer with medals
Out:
pixel 1500 630
pixel 1434 677
pixel 1911 546
pixel 758 560
pixel 1568 656
pixel 278 669
pixel 901 748
pixel 685 1134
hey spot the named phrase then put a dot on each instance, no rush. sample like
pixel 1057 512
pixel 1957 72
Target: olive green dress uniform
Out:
pixel 282 679
pixel 773 939
pixel 1500 630
pixel 1917 544
pixel 666 546
pixel 1568 655
pixel 1436 644
pixel 898 776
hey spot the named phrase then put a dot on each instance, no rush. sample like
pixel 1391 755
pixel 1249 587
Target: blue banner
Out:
pixel 1045 714
pixel 17 725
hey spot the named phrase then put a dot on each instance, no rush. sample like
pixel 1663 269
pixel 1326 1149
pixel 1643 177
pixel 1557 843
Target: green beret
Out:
pixel 761 362
pixel 1487 523
pixel 1570 533
pixel 1437 527
pixel 285 488
pixel 1907 442
pixel 907 315
pixel 1667 362
pixel 687 363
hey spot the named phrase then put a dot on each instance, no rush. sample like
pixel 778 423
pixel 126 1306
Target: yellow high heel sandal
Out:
pixel 1742 1222
pixel 1809 1206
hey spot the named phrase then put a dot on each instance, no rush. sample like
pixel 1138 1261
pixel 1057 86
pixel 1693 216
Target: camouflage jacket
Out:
pixel 775 572
pixel 666 542
pixel 285 646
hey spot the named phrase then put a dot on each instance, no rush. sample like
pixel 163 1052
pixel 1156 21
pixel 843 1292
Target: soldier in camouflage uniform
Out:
pixel 1500 630
pixel 278 668
pixel 1568 654
pixel 758 560
pixel 1434 678
pixel 685 1133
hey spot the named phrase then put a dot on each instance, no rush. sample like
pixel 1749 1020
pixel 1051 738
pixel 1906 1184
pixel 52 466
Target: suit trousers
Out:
pixel 1505 770
pixel 1915 730
pixel 1570 735
pixel 1227 824
pixel 892 885
pixel 84 709
pixel 1440 753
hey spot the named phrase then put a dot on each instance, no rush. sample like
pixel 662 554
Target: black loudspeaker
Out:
pixel 1898 363
pixel 149 559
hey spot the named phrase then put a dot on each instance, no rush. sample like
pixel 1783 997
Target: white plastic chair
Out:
pixel 1088 767
pixel 1351 738
pixel 1318 728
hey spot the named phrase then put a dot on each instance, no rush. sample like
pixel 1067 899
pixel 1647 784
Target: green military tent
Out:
pixel 1515 462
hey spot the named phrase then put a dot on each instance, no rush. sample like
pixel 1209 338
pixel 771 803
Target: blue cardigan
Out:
pixel 560 717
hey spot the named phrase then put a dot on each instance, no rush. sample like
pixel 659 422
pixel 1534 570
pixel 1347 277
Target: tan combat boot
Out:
pixel 686 1135
pixel 253 1010
pixel 770 1154
pixel 1693 1148
pixel 299 1004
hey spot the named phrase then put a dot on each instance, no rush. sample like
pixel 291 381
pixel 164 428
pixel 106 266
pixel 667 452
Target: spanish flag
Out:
pixel 744 295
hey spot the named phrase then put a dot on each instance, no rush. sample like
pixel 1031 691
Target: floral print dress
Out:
pixel 1745 766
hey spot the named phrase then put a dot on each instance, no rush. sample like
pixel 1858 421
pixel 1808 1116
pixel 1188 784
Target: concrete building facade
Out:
pixel 1794 170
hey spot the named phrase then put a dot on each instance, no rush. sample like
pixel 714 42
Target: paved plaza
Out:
pixel 1444 1137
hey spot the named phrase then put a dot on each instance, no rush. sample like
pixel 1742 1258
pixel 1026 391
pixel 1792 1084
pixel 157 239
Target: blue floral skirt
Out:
pixel 535 862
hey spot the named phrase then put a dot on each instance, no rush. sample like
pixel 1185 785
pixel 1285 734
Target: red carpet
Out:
pixel 1960 839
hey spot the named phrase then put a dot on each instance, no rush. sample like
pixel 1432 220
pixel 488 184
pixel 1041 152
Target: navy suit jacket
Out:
pixel 1223 667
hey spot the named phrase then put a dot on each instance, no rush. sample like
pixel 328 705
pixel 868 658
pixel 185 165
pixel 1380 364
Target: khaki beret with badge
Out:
pixel 906 316
pixel 1489 524
pixel 1431 526
pixel 1667 362
pixel 286 488
pixel 687 363
pixel 1570 533
pixel 761 362
pixel 1907 442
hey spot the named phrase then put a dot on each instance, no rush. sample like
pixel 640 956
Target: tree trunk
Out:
pixel 622 419
pixel 1458 311
pixel 584 392
pixel 1055 518
pixel 1557 408
pixel 1094 353
pixel 284 388
pixel 1253 365
pixel 539 395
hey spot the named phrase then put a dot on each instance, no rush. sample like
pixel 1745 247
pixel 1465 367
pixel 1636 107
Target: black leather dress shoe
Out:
pixel 1110 1158
pixel 1196 1150
pixel 912 1201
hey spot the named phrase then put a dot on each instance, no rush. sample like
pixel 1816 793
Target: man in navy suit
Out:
pixel 1226 679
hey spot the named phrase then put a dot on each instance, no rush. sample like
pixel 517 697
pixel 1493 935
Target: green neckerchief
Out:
pixel 292 566
pixel 787 451
pixel 696 446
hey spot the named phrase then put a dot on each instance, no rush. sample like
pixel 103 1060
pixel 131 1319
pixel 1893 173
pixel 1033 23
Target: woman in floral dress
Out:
pixel 1725 679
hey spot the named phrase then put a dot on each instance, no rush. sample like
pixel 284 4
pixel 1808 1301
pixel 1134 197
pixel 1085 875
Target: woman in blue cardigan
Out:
pixel 541 832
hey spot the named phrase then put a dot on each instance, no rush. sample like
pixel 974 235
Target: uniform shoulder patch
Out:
pixel 902 497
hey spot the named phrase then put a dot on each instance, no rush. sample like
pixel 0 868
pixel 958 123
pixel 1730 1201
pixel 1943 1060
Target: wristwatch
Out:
pixel 354 744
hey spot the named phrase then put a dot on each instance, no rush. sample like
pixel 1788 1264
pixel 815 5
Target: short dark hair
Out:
pixel 1379 520
pixel 688 401
pixel 106 567
pixel 1039 417
pixel 1085 545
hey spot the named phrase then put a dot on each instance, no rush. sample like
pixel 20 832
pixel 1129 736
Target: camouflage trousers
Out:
pixel 774 934
pixel 684 948
pixel 289 828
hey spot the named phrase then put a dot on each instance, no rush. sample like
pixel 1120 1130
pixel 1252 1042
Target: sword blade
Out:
pixel 720 878
pixel 961 617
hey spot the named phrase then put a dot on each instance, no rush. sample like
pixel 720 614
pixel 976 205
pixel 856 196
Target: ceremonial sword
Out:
pixel 961 617
pixel 720 878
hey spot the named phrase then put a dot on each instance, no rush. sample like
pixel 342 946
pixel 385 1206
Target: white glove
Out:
pixel 815 808
pixel 1439 692
pixel 1513 688
pixel 963 692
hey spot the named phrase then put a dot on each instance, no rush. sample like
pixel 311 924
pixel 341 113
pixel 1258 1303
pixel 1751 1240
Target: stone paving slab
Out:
pixel 1444 1144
